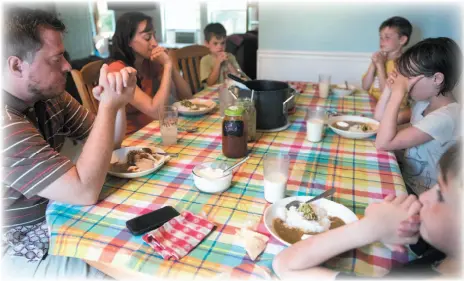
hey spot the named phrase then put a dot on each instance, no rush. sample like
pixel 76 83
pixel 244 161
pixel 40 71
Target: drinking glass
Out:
pixel 324 85
pixel 316 118
pixel 276 170
pixel 168 125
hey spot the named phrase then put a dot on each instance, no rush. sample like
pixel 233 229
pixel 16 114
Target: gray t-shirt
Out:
pixel 419 163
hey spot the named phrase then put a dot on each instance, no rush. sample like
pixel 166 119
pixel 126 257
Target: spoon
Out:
pixel 236 165
pixel 324 194
pixel 332 112
pixel 190 129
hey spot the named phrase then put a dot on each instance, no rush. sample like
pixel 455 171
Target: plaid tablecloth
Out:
pixel 360 174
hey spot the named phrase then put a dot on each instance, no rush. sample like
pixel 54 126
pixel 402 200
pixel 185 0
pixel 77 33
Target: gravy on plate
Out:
pixel 293 235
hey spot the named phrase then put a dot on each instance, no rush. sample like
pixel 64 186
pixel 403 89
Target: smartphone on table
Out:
pixel 149 221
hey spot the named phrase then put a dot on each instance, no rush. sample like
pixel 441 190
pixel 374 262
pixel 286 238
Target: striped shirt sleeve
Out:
pixel 78 120
pixel 29 163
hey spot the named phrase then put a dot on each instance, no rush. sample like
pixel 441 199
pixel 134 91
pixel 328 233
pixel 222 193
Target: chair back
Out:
pixel 187 61
pixel 86 79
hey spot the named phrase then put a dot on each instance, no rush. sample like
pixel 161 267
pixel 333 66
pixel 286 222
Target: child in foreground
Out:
pixel 395 221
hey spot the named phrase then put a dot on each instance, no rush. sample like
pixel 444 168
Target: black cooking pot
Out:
pixel 272 100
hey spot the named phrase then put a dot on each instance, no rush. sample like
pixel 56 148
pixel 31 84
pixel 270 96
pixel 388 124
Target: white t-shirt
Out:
pixel 419 163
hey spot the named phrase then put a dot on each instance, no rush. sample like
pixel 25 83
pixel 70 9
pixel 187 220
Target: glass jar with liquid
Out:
pixel 234 133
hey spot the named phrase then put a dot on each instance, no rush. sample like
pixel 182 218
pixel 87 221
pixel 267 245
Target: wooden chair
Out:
pixel 85 80
pixel 187 61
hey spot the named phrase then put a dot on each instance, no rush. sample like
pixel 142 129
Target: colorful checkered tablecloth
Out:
pixel 360 174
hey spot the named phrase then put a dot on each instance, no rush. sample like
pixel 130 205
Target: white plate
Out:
pixel 333 209
pixel 341 91
pixel 353 135
pixel 187 112
pixel 120 155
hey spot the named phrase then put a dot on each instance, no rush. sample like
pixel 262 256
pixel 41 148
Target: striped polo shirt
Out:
pixel 32 139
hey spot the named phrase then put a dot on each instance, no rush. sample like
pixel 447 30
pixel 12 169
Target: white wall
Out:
pixel 297 41
pixel 306 65
pixel 349 27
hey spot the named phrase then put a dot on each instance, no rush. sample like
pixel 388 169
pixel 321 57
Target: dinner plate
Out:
pixel 120 155
pixel 353 118
pixel 188 112
pixel 333 209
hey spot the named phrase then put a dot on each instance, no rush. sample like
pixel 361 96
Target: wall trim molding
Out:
pixel 268 52
pixel 306 65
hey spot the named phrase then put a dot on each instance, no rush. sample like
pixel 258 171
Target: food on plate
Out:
pixel 189 105
pixel 308 212
pixel 255 242
pixel 308 219
pixel 355 127
pixel 343 124
pixel 138 161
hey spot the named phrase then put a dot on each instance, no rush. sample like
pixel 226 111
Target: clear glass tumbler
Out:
pixel 276 171
pixel 168 124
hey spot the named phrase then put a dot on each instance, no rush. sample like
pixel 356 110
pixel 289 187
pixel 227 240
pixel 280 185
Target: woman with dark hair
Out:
pixel 429 72
pixel 134 45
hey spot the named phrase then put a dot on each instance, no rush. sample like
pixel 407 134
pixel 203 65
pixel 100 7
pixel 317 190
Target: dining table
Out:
pixel 359 173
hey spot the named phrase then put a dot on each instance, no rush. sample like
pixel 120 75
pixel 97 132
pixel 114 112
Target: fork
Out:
pixel 191 129
pixel 324 194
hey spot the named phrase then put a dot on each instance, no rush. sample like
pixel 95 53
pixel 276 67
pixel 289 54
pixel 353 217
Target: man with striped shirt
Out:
pixel 36 116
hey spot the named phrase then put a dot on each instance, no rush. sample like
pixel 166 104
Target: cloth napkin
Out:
pixel 177 237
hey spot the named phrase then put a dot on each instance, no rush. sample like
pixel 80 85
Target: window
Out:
pixel 181 22
pixel 106 23
pixel 105 19
pixel 184 23
pixel 231 14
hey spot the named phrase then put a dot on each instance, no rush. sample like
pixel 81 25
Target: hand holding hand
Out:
pixel 407 228
pixel 401 85
pixel 160 55
pixel 389 216
pixel 115 89
pixel 221 57
pixel 379 58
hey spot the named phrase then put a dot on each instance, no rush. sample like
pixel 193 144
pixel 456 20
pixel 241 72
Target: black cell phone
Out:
pixel 144 223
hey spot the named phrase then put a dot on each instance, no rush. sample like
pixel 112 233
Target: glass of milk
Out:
pixel 324 85
pixel 276 170
pixel 316 118
pixel 168 125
